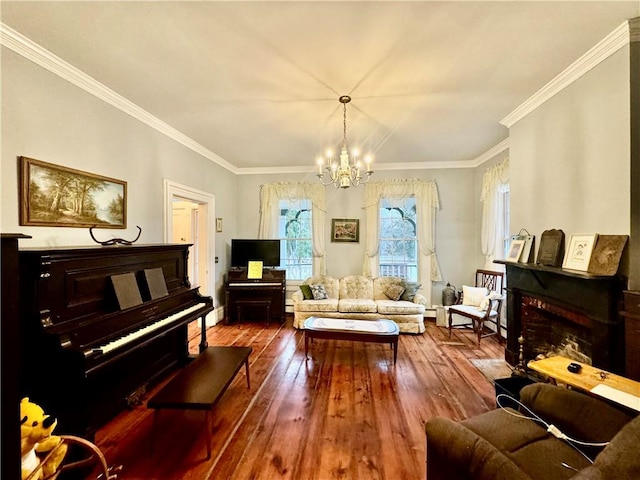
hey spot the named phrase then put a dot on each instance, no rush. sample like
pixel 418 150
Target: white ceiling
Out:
pixel 257 83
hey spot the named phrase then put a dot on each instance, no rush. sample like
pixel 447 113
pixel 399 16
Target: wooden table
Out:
pixel 202 383
pixel 376 331
pixel 590 379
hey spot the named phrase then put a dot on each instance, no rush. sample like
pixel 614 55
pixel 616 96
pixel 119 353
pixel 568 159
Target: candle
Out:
pixel 319 166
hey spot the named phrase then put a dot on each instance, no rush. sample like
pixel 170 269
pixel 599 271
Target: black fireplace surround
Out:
pixel 586 305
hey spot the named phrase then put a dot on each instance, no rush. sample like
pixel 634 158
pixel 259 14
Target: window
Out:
pixel 295 232
pixel 398 240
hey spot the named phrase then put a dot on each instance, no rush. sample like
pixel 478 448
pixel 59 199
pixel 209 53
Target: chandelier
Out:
pixel 348 173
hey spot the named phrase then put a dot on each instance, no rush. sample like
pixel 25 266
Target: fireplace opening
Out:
pixel 551 329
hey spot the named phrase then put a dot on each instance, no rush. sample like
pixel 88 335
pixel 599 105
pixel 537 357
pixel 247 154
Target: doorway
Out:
pixel 189 218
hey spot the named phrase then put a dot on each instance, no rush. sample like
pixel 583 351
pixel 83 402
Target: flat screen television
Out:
pixel 243 250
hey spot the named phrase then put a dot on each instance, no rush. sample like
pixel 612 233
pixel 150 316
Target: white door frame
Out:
pixel 171 190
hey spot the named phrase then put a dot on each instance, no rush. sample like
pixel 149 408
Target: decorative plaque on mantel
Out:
pixel 551 252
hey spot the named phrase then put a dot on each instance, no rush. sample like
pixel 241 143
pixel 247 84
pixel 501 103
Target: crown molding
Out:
pixel 492 152
pixel 603 50
pixel 30 50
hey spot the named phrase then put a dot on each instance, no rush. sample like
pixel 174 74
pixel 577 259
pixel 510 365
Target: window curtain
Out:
pixel 495 182
pixel 426 194
pixel 270 196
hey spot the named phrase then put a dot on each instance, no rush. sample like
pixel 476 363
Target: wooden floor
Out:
pixel 347 412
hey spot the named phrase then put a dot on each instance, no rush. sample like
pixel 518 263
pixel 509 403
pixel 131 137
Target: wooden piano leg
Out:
pixel 203 333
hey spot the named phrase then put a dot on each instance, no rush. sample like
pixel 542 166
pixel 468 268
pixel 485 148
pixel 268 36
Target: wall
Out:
pixel 47 118
pixel 456 225
pixel 570 158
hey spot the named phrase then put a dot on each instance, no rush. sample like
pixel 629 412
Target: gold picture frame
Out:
pixel 345 230
pixel 56 196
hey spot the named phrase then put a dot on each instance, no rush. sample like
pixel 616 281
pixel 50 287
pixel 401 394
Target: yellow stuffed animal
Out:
pixel 36 442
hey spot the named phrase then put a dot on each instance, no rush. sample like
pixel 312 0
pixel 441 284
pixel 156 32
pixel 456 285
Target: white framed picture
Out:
pixel 579 251
pixel 515 250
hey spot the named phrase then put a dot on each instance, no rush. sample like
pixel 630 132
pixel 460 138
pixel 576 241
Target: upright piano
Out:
pixel 84 358
pixel 269 290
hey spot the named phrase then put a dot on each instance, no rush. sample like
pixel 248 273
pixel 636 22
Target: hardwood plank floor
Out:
pixel 345 413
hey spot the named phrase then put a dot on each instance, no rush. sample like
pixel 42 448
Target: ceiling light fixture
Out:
pixel 348 173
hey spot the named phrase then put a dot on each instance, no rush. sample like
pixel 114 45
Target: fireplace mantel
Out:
pixel 597 298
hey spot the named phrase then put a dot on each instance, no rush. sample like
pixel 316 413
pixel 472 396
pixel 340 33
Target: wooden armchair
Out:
pixel 481 304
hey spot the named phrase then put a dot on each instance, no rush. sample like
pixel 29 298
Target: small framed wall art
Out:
pixel 579 252
pixel 345 230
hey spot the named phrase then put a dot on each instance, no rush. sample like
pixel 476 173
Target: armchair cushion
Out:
pixel 578 415
pixel 471 311
pixel 473 295
pixel 619 459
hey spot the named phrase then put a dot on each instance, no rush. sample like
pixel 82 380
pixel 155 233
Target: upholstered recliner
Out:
pixel 498 445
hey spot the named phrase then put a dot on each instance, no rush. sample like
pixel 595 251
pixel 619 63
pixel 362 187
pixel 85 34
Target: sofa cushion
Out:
pixel 331 284
pixel 356 286
pixel 306 292
pixel 328 305
pixel 360 305
pixel 410 290
pixel 390 307
pixel 319 292
pixel 394 292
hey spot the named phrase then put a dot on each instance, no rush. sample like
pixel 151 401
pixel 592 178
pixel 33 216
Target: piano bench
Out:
pixel 253 303
pixel 201 384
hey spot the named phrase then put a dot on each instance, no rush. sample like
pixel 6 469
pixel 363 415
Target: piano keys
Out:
pixel 269 290
pixel 84 358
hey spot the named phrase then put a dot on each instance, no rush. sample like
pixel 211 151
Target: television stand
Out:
pixel 244 296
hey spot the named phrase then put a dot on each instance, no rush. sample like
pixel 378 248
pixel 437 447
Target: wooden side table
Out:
pixel 598 382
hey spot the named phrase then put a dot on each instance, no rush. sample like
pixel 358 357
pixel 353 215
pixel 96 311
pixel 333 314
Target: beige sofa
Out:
pixel 359 297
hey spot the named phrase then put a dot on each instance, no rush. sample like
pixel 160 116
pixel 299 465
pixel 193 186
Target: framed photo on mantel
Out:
pixel 579 252
pixel 551 251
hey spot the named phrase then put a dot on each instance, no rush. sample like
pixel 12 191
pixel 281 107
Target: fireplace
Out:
pixel 562 312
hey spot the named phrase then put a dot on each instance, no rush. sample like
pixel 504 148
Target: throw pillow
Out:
pixel 306 292
pixel 473 295
pixel 319 292
pixel 486 301
pixel 394 292
pixel 410 290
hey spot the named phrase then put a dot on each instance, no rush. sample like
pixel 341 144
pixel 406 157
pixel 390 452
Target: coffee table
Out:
pixel 375 331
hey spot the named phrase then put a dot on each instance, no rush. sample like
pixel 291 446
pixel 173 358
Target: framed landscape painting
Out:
pixel 345 230
pixel 56 196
